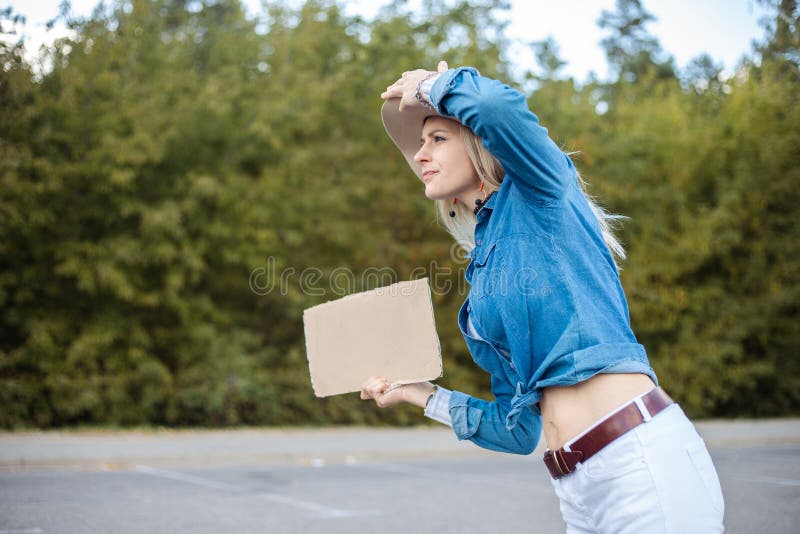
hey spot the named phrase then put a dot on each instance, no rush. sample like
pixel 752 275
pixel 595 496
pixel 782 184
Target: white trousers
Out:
pixel 657 478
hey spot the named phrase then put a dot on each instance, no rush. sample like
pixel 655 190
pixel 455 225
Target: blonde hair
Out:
pixel 491 173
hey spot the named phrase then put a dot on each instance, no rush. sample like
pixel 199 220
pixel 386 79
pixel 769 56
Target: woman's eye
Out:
pixel 438 138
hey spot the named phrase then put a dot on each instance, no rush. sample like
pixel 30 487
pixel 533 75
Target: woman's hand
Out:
pixel 406 87
pixel 376 388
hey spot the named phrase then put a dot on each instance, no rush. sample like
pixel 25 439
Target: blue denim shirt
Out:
pixel 545 294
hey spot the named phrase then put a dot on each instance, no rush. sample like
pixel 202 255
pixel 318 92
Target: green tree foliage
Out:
pixel 631 51
pixel 708 170
pixel 184 180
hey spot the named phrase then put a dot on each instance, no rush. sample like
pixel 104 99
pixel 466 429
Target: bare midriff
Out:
pixel 569 410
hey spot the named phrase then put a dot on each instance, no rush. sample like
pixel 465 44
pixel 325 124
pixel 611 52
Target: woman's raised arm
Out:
pixel 499 115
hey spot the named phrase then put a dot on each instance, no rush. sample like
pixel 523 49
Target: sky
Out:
pixel 725 29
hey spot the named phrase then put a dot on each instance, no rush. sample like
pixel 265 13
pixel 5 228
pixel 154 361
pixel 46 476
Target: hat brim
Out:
pixel 405 128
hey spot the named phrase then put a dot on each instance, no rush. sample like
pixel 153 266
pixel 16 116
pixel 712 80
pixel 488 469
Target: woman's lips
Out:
pixel 427 174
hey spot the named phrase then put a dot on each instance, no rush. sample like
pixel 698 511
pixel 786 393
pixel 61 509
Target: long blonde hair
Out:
pixel 491 173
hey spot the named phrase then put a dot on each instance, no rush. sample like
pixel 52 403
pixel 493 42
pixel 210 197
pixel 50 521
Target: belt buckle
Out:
pixel 557 459
pixel 560 460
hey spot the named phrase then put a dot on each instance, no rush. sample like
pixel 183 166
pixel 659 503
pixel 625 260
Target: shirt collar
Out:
pixel 490 202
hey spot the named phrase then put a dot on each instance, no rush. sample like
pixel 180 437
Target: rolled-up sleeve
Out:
pixel 438 407
pixel 484 422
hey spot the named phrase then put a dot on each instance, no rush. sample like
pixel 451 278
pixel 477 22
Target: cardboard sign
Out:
pixel 388 332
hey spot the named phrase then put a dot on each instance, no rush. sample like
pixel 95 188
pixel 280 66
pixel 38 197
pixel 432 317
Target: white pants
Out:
pixel 657 478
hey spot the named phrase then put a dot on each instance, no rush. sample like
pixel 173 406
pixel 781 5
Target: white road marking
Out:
pixel 191 479
pixel 319 509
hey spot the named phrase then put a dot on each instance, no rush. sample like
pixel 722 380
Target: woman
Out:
pixel 546 316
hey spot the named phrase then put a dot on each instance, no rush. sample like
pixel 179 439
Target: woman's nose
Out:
pixel 422 155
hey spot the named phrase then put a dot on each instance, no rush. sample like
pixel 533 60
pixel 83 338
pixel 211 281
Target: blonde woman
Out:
pixel 546 316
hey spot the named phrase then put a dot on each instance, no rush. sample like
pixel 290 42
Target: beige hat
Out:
pixel 405 128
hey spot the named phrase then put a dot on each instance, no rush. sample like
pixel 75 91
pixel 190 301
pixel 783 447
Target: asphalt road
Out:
pixel 414 481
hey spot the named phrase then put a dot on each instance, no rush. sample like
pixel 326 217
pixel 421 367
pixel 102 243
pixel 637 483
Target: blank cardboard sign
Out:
pixel 388 332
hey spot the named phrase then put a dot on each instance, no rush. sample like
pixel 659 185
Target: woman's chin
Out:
pixel 433 194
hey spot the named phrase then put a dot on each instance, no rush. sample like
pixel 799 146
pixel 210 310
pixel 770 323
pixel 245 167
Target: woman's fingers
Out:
pixel 373 387
pixel 393 91
pixel 377 388
pixel 367 388
pixel 406 85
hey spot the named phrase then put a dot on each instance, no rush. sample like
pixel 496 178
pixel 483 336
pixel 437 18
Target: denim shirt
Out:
pixel 545 295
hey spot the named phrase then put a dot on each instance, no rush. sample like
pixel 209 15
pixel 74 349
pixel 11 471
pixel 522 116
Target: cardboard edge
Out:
pixel 435 331
pixel 308 357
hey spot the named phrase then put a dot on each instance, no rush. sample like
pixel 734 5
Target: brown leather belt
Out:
pixel 562 462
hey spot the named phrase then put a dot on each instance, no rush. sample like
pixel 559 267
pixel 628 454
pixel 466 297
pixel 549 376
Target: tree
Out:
pixel 630 50
pixel 783 41
pixel 186 180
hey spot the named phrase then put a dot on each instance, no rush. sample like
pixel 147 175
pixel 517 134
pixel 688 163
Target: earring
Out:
pixel 479 202
pixel 453 211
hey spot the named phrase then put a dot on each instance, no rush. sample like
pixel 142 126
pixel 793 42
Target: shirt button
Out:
pixel 479 242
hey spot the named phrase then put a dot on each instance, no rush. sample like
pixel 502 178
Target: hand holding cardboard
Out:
pixel 388 332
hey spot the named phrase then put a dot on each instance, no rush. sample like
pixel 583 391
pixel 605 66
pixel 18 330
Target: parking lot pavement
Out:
pixel 465 495
pixel 338 480
pixel 297 446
